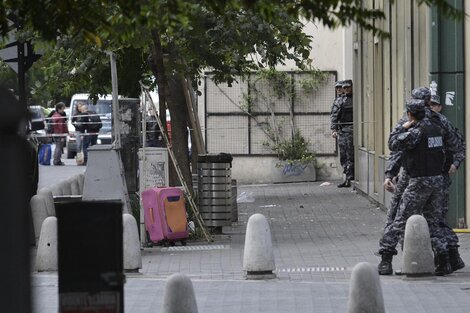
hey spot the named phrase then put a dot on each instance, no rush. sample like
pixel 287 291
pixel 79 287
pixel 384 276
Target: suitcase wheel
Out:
pixel 149 241
pixel 183 242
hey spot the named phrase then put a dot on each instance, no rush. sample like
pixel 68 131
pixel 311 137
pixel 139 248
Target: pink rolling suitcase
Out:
pixel 165 215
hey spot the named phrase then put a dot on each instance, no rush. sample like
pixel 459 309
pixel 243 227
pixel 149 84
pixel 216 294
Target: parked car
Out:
pixel 103 107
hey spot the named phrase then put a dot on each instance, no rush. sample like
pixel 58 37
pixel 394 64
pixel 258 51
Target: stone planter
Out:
pixel 283 172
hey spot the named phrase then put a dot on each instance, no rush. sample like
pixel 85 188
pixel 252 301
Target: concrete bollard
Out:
pixel 38 212
pixel 131 244
pixel 66 187
pixel 179 295
pixel 46 258
pixel 365 291
pixel 81 181
pixel 418 259
pixel 47 194
pixel 75 185
pixel 56 190
pixel 258 256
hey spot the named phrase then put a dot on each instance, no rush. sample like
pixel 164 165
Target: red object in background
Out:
pixel 168 129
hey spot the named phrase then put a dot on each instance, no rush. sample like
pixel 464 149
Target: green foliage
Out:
pixel 229 37
pixel 294 150
pixel 313 81
pixel 281 84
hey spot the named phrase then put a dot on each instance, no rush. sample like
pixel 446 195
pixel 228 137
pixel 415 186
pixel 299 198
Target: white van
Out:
pixel 103 107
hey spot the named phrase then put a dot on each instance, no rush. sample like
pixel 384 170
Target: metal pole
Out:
pixel 21 75
pixel 143 232
pixel 114 83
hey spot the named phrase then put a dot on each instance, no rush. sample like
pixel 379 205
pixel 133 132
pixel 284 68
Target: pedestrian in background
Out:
pixel 79 122
pixel 58 125
pixel 93 126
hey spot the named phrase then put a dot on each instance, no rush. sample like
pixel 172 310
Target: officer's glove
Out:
pixel 452 169
pixel 388 184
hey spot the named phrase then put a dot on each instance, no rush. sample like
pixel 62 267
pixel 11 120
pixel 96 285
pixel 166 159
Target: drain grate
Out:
pixel 311 269
pixel 196 248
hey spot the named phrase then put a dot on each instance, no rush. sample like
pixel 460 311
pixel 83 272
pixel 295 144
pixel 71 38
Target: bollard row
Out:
pixel 47 254
pixel 42 204
pixel 72 186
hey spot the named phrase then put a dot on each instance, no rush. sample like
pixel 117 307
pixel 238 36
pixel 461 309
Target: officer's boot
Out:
pixel 385 266
pixel 443 265
pixel 346 183
pixel 455 260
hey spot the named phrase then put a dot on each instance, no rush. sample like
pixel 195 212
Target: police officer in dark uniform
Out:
pixel 422 141
pixel 455 154
pixel 450 167
pixel 335 108
pixel 342 128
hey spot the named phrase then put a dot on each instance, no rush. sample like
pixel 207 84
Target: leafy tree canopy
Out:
pixel 228 36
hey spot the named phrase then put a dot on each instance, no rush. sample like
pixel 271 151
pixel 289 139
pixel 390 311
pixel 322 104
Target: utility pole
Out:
pixel 114 84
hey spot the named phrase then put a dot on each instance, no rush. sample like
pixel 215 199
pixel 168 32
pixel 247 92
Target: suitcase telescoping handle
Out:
pixel 152 219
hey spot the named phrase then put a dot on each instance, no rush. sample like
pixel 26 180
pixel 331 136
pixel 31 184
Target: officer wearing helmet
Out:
pixel 456 147
pixel 396 180
pixel 422 142
pixel 336 107
pixel 342 128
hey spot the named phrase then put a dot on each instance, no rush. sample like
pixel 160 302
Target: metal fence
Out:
pixel 234 126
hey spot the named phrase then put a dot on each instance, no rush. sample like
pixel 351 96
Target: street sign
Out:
pixel 12 48
pixel 25 56
pixel 9 54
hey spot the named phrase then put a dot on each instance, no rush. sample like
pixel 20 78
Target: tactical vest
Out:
pixel 346 111
pixel 427 158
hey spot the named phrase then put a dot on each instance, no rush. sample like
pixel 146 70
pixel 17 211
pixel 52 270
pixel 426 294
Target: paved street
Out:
pixel 319 234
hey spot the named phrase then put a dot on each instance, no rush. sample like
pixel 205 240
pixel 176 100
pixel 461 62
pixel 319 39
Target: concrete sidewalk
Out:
pixel 319 234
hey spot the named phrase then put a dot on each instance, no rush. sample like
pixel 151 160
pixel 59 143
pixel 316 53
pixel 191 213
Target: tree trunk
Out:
pixel 171 90
pixel 179 127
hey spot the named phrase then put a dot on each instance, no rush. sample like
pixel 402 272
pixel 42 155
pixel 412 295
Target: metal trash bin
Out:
pixel 215 189
pixel 234 201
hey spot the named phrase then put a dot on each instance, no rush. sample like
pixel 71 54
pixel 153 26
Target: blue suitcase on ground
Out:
pixel 44 154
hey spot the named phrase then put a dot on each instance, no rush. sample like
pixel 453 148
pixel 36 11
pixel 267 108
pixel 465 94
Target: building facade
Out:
pixel 424 48
pixel 228 128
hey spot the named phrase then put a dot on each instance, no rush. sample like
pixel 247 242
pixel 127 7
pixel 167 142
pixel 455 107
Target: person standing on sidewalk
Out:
pixel 450 167
pixel 93 126
pixel 345 134
pixel 396 177
pixel 79 122
pixel 396 181
pixel 422 141
pixel 58 120
pixel 342 128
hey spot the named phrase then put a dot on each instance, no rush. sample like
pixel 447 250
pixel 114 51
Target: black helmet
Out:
pixel 415 105
pixel 422 93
